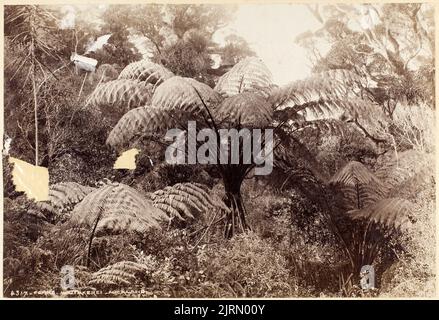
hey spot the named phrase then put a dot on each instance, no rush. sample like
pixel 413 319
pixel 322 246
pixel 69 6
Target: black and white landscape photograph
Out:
pixel 219 150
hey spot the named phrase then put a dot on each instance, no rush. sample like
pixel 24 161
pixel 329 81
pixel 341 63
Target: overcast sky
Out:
pixel 270 30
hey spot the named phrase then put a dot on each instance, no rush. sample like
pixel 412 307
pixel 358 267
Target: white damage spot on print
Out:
pixel 30 179
pixel 127 160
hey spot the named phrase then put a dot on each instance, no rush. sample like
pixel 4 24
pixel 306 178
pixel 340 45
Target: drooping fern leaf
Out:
pixel 120 274
pixel 174 102
pixel 64 196
pixel 355 172
pixel 398 169
pixel 140 121
pixel 145 70
pixel 390 213
pixel 325 86
pixel 184 94
pixel 115 208
pixel 246 109
pixel 320 95
pixel 121 93
pixel 181 199
pixel 359 185
pixel 248 75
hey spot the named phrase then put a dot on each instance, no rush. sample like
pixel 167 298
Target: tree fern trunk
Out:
pixel 235 219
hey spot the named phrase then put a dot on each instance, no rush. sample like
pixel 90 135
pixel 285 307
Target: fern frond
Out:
pixel 145 70
pixel 140 121
pixel 246 109
pixel 248 75
pixel 321 95
pixel 177 196
pixel 321 127
pixel 354 173
pixel 123 273
pixel 360 196
pixel 326 86
pixel 397 169
pixel 390 213
pixel 293 154
pixel 174 102
pixel 179 94
pixel 121 93
pixel 360 187
pixel 63 197
pixel 116 208
pixel 181 199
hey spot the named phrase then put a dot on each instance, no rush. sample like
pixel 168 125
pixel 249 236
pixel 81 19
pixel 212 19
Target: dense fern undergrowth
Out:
pixel 351 186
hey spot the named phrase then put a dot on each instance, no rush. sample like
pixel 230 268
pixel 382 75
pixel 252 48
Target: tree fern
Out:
pixel 115 208
pixel 121 93
pixel 174 102
pixel 321 89
pixel 355 172
pixel 245 97
pixel 145 70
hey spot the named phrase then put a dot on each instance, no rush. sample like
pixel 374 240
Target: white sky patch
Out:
pixel 68 20
pixel 364 18
pixel 270 31
pixel 216 60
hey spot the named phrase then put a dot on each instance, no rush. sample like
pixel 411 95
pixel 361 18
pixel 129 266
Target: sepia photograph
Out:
pixel 219 150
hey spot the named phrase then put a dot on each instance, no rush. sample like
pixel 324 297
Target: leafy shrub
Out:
pixel 247 266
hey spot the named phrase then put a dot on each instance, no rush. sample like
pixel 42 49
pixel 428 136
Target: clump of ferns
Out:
pixel 362 212
pixel 366 217
pixel 142 272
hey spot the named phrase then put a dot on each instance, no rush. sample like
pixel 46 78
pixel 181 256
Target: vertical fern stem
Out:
pixel 101 209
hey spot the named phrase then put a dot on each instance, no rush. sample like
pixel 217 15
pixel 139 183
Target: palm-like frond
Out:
pixel 359 185
pixel 64 196
pixel 324 86
pixel 174 102
pixel 323 94
pixel 140 121
pixel 121 93
pixel 248 75
pixel 181 199
pixel 115 208
pixel 398 169
pixel 185 94
pixel 245 109
pixel 145 70
pixel 120 274
pixel 390 213
pixel 355 172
